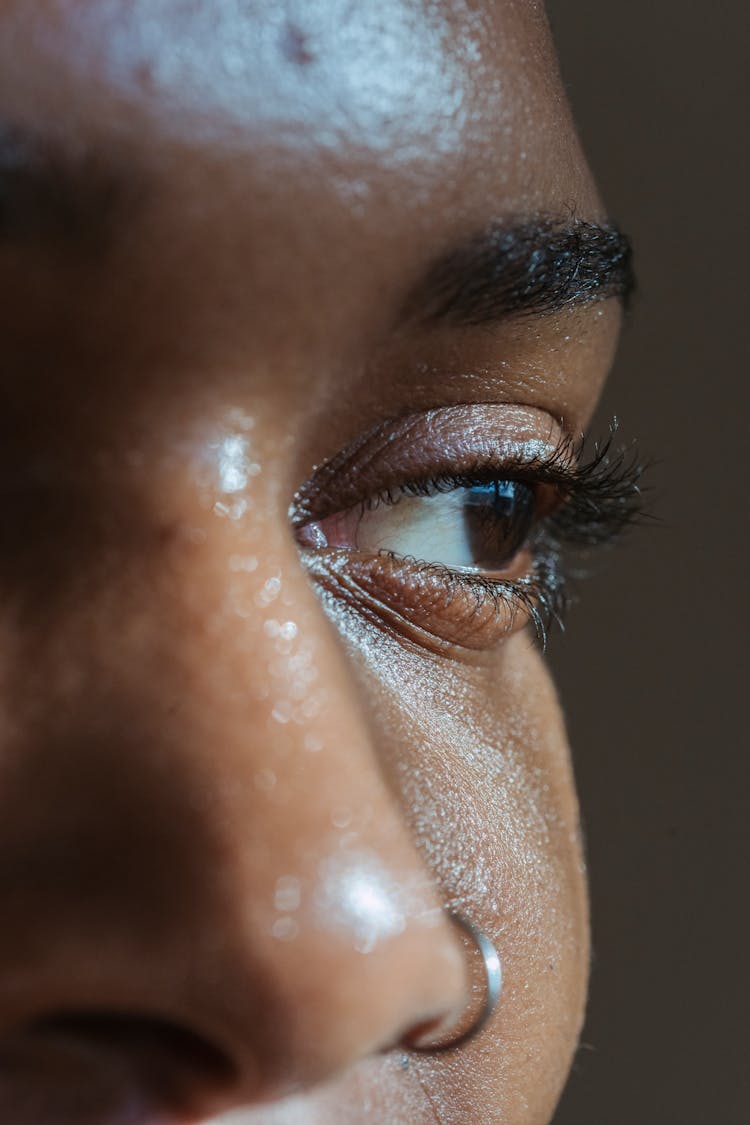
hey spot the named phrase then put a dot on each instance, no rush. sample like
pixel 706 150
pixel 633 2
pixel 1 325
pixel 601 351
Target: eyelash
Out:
pixel 597 500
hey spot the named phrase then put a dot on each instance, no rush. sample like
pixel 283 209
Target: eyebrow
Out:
pixel 58 196
pixel 534 266
pixel 75 199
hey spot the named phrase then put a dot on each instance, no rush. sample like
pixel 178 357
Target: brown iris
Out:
pixel 498 517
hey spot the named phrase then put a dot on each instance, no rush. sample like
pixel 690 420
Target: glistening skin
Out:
pixel 305 309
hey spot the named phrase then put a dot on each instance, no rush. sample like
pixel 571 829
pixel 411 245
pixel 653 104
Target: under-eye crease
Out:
pixel 521 513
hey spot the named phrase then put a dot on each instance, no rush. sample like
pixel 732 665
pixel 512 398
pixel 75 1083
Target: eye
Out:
pixel 471 527
pixel 451 556
pixel 451 526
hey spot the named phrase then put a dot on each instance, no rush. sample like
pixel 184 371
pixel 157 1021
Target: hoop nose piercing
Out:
pixel 493 974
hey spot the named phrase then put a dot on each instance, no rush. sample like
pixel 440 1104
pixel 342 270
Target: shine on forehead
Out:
pixel 319 72
pixel 399 79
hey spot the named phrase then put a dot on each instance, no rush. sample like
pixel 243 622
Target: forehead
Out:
pixel 295 166
pixel 460 96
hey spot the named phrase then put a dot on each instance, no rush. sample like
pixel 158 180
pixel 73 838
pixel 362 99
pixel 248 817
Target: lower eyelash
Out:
pixel 541 594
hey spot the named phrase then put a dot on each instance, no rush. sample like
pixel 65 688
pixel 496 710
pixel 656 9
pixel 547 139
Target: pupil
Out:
pixel 498 518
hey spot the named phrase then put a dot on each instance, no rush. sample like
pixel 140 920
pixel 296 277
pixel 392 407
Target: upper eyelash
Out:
pixel 603 495
pixel 600 497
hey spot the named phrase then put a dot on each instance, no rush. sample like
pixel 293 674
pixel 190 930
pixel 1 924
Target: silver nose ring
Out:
pixel 493 974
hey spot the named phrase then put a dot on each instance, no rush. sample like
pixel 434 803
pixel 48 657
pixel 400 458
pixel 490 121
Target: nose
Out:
pixel 198 848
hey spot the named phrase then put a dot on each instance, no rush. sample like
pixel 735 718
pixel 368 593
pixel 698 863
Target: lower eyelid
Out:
pixel 427 603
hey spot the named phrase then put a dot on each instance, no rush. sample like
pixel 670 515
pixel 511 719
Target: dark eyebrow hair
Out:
pixel 538 265
pixel 71 197
pixel 64 197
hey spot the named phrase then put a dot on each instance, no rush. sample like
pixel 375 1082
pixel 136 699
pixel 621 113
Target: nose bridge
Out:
pixel 194 825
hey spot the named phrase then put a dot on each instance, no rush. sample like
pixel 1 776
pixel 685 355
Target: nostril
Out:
pixel 110 1068
pixel 144 1036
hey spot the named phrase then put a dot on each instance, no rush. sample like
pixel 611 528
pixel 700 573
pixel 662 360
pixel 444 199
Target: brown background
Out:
pixel 653 668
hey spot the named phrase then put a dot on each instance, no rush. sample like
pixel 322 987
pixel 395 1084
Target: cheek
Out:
pixel 481 762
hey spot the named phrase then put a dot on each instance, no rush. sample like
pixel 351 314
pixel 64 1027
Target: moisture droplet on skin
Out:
pixel 341 817
pixel 285 928
pixel 284 631
pixel 234 511
pixel 243 564
pixel 269 592
pixel 288 893
pixel 282 711
pixel 265 780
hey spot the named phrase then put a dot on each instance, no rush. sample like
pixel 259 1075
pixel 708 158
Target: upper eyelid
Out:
pixel 556 467
pixel 607 485
pixel 419 445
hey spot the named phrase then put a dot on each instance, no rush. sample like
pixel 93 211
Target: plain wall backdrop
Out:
pixel 653 668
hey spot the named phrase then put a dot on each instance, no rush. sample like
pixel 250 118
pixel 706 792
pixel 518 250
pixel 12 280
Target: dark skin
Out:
pixel 243 772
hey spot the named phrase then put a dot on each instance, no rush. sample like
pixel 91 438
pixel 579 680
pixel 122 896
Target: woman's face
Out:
pixel 267 268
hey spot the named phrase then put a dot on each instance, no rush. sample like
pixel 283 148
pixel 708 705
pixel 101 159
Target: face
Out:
pixel 291 358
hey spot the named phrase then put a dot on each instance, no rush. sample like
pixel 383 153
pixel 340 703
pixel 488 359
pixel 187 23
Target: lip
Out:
pixel 94 1070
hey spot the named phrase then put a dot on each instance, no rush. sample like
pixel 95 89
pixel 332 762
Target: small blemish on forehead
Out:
pixel 295 46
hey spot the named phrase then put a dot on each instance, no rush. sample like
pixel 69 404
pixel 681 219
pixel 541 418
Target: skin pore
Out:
pixel 246 759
